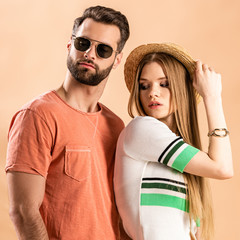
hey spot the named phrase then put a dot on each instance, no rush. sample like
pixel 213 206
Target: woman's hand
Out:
pixel 206 81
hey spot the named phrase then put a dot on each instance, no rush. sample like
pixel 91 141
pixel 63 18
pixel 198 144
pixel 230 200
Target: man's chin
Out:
pixel 88 81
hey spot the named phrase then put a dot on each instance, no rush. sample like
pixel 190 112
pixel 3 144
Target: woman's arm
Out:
pixel 217 162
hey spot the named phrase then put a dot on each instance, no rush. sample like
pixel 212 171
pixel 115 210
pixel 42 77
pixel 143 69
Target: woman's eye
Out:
pixel 143 86
pixel 164 84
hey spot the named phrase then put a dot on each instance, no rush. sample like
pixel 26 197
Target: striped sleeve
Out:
pixel 177 154
pixel 148 139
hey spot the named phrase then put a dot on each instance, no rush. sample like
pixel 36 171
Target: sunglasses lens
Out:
pixel 82 44
pixel 104 51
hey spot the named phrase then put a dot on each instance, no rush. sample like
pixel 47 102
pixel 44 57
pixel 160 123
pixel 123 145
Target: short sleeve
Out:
pixel 29 144
pixel 148 139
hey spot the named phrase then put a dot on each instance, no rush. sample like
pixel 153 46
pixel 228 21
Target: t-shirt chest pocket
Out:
pixel 78 161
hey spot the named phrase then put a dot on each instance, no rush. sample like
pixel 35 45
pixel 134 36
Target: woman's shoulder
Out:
pixel 144 126
pixel 146 122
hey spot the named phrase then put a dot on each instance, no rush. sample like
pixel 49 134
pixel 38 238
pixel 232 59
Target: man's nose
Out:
pixel 91 52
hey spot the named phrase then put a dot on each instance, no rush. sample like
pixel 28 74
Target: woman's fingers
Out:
pixel 198 65
pixel 206 81
pixel 202 67
pixel 205 67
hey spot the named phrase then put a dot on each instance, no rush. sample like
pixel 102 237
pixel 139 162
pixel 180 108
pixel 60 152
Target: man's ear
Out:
pixel 117 60
pixel 69 44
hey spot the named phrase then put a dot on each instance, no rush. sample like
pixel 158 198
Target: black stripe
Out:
pixel 164 179
pixel 160 158
pixel 166 186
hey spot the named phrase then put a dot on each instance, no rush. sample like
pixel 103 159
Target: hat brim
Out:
pixel 135 57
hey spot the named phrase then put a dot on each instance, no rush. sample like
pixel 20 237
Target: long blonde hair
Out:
pixel 183 98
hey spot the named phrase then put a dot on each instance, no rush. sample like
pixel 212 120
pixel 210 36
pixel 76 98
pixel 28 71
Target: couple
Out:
pixel 62 145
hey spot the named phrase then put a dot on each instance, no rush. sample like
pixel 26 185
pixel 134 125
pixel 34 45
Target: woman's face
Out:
pixel 155 95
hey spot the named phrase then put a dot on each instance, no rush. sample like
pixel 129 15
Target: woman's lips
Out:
pixel 154 104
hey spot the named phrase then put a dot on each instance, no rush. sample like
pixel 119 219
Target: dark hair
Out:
pixel 108 16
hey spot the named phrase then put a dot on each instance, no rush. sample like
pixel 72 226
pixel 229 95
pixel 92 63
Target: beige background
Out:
pixel 33 54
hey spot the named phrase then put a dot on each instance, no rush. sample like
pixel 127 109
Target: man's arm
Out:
pixel 26 192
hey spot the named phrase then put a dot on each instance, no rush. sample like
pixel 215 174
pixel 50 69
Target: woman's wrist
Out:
pixel 212 100
pixel 214 111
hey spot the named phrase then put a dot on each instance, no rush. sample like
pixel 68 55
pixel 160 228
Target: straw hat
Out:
pixel 135 57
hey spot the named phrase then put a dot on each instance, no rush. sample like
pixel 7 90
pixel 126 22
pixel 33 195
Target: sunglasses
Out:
pixel 83 44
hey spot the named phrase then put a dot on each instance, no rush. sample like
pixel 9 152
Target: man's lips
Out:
pixel 87 65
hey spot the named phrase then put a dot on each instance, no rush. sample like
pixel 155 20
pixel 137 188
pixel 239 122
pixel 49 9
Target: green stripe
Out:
pixel 173 150
pixel 184 157
pixel 154 199
pixel 164 186
pixel 198 222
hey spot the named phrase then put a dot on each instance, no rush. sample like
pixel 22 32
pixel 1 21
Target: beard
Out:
pixel 84 76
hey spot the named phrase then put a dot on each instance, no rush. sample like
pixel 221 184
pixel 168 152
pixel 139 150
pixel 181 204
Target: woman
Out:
pixel 161 192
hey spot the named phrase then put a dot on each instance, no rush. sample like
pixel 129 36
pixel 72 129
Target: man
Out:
pixel 61 145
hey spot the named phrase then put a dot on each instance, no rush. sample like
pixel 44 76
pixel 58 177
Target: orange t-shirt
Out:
pixel 74 151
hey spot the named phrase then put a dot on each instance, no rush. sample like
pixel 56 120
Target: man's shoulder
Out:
pixel 43 106
pixel 43 102
pixel 113 121
pixel 110 114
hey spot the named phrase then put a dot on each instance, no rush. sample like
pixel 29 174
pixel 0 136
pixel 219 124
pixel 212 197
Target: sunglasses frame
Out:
pixel 96 47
